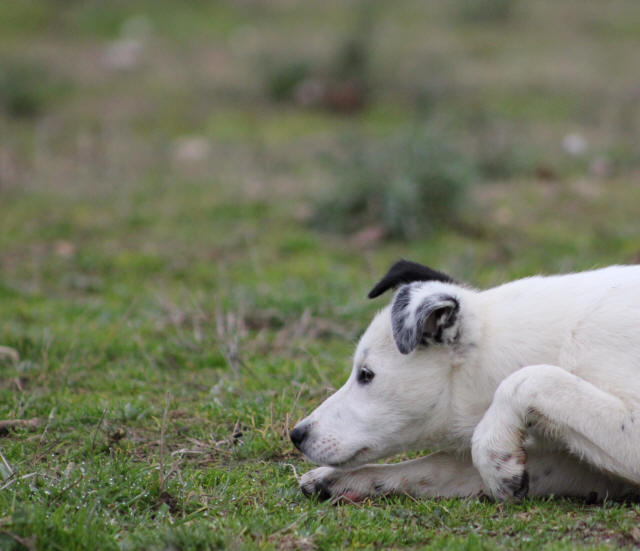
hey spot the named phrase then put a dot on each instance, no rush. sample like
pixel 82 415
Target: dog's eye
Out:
pixel 365 375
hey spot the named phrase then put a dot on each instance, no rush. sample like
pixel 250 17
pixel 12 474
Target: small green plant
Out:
pixel 26 88
pixel 282 79
pixel 408 186
pixel 348 84
pixel 340 84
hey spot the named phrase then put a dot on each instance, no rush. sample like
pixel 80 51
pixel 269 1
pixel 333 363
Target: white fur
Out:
pixel 543 376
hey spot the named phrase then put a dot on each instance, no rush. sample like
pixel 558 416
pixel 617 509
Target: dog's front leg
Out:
pixel 595 425
pixel 435 475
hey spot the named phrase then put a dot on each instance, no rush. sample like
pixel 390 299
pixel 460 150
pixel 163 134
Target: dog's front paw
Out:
pixel 505 476
pixel 331 483
pixel 318 482
pixel 501 464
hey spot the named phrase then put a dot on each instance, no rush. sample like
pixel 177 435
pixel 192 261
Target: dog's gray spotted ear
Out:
pixel 421 318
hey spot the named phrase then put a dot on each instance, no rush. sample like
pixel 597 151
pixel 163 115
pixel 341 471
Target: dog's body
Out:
pixel 532 388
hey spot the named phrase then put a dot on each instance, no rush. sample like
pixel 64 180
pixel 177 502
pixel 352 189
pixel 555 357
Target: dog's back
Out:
pixel 579 321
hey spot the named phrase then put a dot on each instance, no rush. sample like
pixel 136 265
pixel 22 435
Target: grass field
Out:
pixel 168 310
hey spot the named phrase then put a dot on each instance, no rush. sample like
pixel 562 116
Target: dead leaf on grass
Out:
pixel 171 502
pixel 11 353
pixel 117 435
pixel 11 424
pixel 294 543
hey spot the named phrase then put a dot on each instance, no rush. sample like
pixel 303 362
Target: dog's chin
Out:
pixel 362 456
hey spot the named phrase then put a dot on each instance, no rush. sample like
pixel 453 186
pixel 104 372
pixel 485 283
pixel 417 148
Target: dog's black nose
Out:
pixel 298 435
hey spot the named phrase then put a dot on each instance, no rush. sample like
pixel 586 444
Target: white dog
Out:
pixel 530 388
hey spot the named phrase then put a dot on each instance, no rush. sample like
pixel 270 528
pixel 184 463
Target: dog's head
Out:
pixel 397 397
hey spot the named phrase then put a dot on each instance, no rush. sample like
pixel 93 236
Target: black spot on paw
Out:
pixel 319 489
pixel 522 483
pixel 517 486
pixel 631 498
pixel 592 498
pixel 322 490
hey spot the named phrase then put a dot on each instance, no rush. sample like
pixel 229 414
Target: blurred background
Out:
pixel 195 198
pixel 471 133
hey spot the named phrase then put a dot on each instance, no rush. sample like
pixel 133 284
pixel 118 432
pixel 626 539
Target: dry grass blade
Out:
pixel 5 468
pixel 293 468
pixel 44 433
pixel 163 432
pixel 230 327
pixel 28 543
pixel 95 432
pixel 13 479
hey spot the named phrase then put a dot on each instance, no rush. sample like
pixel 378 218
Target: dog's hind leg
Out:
pixel 596 426
pixel 561 474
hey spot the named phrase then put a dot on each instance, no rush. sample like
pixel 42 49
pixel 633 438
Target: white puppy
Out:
pixel 531 388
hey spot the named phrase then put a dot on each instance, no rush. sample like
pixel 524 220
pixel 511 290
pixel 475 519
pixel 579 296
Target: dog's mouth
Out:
pixel 354 461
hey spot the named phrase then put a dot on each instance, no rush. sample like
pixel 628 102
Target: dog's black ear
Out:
pixel 405 271
pixel 419 318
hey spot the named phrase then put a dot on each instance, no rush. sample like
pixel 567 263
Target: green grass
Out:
pixel 173 319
